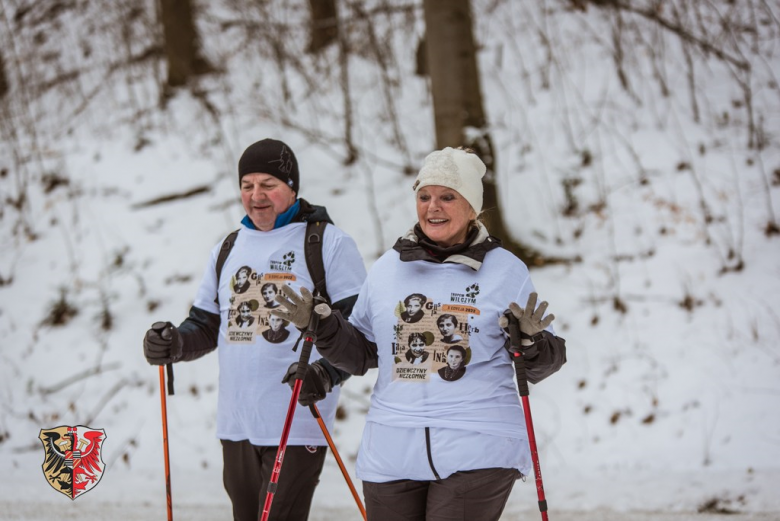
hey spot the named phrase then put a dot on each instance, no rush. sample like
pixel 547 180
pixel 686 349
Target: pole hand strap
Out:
pixel 169 371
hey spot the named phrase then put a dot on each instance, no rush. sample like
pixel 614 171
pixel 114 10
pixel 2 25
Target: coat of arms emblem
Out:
pixel 72 463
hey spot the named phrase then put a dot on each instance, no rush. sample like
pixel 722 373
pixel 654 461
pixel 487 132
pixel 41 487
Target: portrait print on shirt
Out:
pixel 417 342
pixel 431 338
pixel 244 319
pixel 448 327
pixel 241 280
pixel 251 303
pixel 456 363
pixel 413 305
pixel 277 331
pixel 269 290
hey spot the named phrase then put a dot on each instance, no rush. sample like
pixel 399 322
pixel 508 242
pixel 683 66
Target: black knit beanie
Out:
pixel 269 156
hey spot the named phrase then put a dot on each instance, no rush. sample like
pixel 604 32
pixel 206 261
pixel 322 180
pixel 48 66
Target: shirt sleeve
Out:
pixel 207 291
pixel 361 317
pixel 344 268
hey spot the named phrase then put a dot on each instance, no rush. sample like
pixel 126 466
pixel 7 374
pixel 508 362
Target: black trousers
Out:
pixel 247 472
pixel 473 495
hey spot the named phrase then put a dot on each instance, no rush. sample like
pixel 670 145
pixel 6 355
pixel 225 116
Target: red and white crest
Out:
pixel 73 464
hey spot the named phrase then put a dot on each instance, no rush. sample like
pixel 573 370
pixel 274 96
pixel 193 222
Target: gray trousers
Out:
pixel 247 472
pixel 473 495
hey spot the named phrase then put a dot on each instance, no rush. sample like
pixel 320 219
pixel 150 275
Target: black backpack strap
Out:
pixel 224 251
pixel 312 248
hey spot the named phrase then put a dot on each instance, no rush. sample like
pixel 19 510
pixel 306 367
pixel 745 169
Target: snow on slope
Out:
pixel 664 406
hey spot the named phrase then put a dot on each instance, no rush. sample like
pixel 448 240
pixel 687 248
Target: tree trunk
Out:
pixel 4 87
pixel 323 28
pixel 457 102
pixel 452 64
pixel 181 42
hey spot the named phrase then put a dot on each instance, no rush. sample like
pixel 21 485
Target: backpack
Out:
pixel 312 249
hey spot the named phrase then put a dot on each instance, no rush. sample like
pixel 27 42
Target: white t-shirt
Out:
pixel 255 349
pixel 442 365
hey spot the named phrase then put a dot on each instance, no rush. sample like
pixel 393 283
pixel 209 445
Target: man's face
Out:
pixel 265 197
pixel 454 359
pixel 269 294
pixel 413 307
pixel 242 277
pixel 418 346
pixel 446 327
pixel 275 322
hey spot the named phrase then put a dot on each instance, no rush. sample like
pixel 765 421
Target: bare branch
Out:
pixel 674 27
pixel 79 376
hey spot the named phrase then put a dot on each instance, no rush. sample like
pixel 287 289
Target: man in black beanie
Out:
pixel 252 404
pixel 271 157
pixel 268 176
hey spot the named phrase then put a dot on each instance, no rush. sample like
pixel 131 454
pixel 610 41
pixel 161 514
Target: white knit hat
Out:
pixel 457 169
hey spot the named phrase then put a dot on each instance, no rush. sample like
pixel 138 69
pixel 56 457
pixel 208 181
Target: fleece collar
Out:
pixel 412 248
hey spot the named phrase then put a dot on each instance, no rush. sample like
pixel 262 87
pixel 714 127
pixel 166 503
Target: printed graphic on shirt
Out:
pixel 285 264
pixel 431 337
pixel 253 298
pixel 469 297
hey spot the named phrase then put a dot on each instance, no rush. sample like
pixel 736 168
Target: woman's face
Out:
pixel 269 294
pixel 446 327
pixel 454 359
pixel 418 346
pixel 444 214
pixel 275 322
pixel 244 310
pixel 242 277
pixel 414 306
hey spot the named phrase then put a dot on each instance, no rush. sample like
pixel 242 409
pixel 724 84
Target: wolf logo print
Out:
pixel 72 463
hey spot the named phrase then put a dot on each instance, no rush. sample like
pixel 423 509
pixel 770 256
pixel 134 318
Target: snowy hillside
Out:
pixel 669 302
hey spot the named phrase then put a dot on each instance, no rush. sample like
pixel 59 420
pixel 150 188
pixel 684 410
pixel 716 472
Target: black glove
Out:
pixel 316 383
pixel 163 344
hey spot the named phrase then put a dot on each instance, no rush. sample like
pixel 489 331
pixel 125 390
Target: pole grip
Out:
pixel 309 337
pixel 164 329
pixel 516 352
pixel 522 381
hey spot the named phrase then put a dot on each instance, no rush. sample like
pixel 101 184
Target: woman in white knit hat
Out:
pixel 435 447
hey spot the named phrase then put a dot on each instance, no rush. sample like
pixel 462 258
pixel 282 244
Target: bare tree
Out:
pixel 323 25
pixel 181 42
pixel 459 113
pixel 4 88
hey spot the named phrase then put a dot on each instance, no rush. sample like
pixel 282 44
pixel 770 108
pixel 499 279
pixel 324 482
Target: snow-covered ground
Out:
pixel 669 401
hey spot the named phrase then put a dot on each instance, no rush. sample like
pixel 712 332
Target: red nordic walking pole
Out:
pixel 163 329
pixel 165 444
pixel 309 337
pixel 316 412
pixel 522 385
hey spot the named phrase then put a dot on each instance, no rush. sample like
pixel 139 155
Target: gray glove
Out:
pixel 298 307
pixel 530 318
pixel 316 384
pixel 163 344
